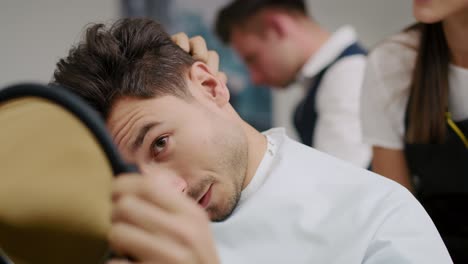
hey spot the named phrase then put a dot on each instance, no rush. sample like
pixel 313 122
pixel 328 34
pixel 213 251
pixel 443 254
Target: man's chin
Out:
pixel 217 215
pixel 282 84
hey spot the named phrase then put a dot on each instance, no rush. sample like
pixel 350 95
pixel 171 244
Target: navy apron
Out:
pixel 440 176
pixel 305 115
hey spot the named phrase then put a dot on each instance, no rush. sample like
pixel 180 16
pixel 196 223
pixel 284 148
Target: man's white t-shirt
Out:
pixel 304 206
pixel 385 90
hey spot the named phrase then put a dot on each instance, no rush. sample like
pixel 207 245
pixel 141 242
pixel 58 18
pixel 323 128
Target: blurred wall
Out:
pixel 372 19
pixel 35 33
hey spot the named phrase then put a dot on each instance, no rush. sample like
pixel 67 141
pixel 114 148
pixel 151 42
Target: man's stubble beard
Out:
pixel 234 150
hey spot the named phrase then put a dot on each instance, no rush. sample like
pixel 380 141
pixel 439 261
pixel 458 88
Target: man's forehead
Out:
pixel 241 32
pixel 242 42
pixel 125 115
pixel 129 116
pixel 119 107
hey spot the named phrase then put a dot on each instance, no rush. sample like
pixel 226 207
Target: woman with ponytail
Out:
pixel 415 114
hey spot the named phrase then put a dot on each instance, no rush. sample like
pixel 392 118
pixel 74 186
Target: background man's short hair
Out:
pixel 238 11
pixel 134 57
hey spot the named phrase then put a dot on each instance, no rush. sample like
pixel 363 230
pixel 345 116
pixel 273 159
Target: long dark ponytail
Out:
pixel 429 90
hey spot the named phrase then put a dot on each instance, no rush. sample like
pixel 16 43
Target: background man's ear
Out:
pixel 277 24
pixel 212 87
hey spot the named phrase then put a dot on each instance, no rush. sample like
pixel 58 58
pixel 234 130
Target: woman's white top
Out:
pixel 385 90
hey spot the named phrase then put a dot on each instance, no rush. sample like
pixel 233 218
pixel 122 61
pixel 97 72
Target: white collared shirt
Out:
pixel 338 128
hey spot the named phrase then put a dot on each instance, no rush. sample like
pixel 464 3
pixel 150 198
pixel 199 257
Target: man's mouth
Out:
pixel 205 199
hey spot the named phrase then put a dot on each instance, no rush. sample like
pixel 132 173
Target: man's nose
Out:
pixel 179 184
pixel 176 181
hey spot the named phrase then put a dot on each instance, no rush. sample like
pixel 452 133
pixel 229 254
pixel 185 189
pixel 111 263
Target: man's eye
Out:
pixel 159 145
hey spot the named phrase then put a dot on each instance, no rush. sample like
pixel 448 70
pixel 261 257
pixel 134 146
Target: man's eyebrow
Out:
pixel 141 135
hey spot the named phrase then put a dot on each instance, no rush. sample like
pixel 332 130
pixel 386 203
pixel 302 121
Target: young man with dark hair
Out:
pixel 282 45
pixel 271 199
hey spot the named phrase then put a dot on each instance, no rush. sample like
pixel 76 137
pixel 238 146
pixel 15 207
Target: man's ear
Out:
pixel 277 23
pixel 213 88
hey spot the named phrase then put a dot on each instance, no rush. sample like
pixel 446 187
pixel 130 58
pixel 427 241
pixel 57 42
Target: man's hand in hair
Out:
pixel 196 46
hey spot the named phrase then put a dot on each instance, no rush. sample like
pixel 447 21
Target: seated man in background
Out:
pixel 271 199
pixel 281 45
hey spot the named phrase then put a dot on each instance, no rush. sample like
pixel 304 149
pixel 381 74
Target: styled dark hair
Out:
pixel 239 11
pixel 132 58
pixel 429 90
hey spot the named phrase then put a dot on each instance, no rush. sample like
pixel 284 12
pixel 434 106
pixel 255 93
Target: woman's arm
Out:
pixel 391 163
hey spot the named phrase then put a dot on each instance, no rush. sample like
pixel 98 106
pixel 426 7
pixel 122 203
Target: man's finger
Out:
pixel 222 77
pixel 140 245
pixel 182 40
pixel 157 190
pixel 198 49
pixel 120 261
pixel 213 61
pixel 142 214
pixel 126 184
